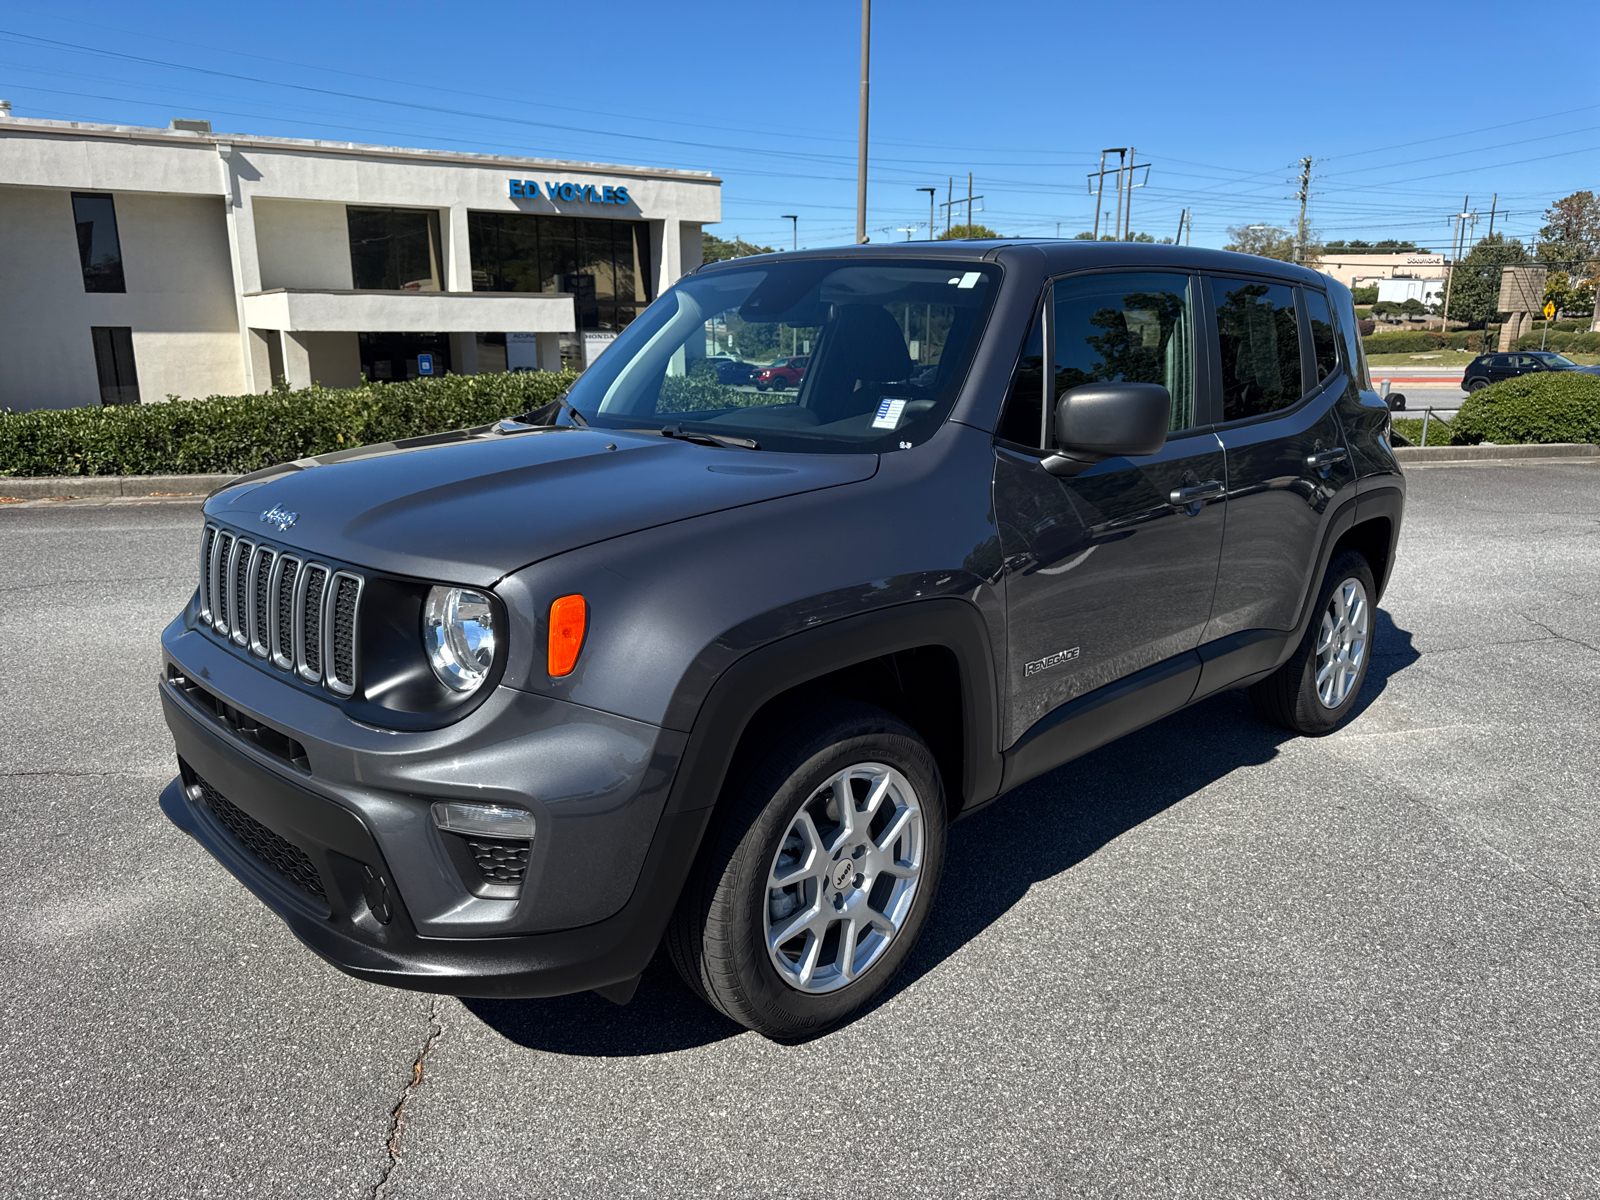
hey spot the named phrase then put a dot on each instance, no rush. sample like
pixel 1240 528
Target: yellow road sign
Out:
pixel 1549 309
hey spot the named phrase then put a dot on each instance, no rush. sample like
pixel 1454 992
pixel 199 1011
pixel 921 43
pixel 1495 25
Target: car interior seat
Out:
pixel 862 350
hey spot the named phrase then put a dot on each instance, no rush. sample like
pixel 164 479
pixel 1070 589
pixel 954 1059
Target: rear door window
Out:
pixel 1259 338
pixel 1322 336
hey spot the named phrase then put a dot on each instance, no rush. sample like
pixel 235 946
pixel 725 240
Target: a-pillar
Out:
pixel 296 360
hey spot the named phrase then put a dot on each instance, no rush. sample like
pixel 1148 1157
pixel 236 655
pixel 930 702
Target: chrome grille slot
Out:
pixel 299 616
pixel 220 550
pixel 339 629
pixel 281 628
pixel 309 615
pixel 260 599
pixel 206 539
pixel 239 591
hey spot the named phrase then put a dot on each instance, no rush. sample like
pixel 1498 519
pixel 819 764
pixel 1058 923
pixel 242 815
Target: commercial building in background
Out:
pixel 1366 270
pixel 137 263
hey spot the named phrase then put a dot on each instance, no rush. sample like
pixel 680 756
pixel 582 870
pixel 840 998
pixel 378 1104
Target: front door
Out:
pixel 1112 570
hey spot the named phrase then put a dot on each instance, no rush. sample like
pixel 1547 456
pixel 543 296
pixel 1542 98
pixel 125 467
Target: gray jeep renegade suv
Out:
pixel 497 712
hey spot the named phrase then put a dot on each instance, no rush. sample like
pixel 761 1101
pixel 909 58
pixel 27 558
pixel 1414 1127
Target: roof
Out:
pixel 140 133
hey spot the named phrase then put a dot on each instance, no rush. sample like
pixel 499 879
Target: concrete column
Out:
pixel 243 255
pixel 458 252
pixel 464 353
pixel 258 357
pixel 296 360
pixel 690 247
pixel 549 347
pixel 666 253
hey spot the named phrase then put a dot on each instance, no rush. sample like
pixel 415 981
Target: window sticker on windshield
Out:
pixel 889 414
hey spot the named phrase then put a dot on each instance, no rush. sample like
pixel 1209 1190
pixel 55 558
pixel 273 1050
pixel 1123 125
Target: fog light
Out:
pixel 483 820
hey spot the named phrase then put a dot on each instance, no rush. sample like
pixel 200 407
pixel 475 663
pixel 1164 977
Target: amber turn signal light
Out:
pixel 569 616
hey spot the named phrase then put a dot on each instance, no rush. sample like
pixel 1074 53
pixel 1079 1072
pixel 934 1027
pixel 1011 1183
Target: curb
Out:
pixel 96 487
pixel 1432 454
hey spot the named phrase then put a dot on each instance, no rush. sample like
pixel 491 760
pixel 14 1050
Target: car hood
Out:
pixel 472 506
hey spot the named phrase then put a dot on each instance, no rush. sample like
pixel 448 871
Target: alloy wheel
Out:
pixel 843 879
pixel 1342 642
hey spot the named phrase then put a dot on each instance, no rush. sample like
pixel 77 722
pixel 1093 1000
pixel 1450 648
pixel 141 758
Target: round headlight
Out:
pixel 458 632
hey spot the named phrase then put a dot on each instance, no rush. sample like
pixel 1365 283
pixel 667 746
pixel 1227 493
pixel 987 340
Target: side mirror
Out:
pixel 1098 421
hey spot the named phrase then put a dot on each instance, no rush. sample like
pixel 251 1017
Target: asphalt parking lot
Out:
pixel 1210 960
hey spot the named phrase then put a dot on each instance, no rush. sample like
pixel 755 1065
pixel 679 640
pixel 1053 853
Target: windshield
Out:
pixel 875 353
pixel 1551 359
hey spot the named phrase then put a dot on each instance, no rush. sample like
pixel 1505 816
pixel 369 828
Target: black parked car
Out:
pixel 497 712
pixel 1492 368
pixel 730 370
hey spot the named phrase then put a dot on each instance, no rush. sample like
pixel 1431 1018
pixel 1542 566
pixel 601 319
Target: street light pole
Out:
pixel 932 192
pixel 796 220
pixel 861 150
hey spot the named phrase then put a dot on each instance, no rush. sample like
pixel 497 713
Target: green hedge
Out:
pixel 1421 341
pixel 1554 406
pixel 1439 431
pixel 245 433
pixel 1582 342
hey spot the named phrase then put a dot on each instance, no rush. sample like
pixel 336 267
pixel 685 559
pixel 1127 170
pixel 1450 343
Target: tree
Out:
pixel 1269 241
pixel 1569 297
pixel 1087 236
pixel 1412 307
pixel 1569 243
pixel 967 231
pixel 1475 280
pixel 1386 246
pixel 714 249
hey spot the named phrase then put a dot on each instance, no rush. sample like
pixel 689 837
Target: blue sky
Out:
pixel 1404 109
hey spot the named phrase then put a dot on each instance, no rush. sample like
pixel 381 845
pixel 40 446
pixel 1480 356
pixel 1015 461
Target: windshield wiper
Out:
pixel 709 439
pixel 546 414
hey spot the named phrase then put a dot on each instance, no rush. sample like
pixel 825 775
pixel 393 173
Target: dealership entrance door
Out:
pixel 391 357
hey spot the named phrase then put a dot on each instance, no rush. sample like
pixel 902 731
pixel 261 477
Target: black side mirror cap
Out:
pixel 1097 421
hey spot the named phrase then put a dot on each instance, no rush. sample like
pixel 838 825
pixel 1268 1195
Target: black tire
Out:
pixel 717 936
pixel 1476 385
pixel 761 387
pixel 1288 697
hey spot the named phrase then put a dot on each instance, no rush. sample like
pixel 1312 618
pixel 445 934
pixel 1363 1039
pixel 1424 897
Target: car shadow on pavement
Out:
pixel 1043 828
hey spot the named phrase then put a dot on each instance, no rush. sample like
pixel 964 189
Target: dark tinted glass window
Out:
pixel 1260 347
pixel 1134 328
pixel 604 265
pixel 1322 338
pixel 1500 361
pixel 99 249
pixel 1021 420
pixel 394 249
pixel 113 363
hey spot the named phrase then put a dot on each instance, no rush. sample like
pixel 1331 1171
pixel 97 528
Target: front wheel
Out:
pixel 1315 691
pixel 821 879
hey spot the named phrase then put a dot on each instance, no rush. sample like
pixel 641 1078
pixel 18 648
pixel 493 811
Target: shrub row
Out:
pixel 245 433
pixel 1421 341
pixel 1582 342
pixel 1553 406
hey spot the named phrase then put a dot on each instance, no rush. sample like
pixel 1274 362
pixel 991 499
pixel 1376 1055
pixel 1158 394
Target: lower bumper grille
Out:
pixel 281 855
pixel 500 861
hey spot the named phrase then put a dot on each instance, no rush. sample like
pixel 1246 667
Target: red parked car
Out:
pixel 785 373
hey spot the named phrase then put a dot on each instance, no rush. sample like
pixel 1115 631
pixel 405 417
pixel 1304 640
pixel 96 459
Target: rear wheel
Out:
pixel 821 878
pixel 1315 691
pixel 1476 385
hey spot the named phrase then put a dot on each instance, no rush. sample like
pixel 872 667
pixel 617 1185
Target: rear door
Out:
pixel 1112 570
pixel 1278 376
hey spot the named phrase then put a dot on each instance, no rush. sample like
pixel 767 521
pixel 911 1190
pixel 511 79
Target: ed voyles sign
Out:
pixel 527 189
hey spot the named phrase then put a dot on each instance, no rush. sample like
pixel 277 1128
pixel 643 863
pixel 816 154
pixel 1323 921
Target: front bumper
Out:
pixel 337 840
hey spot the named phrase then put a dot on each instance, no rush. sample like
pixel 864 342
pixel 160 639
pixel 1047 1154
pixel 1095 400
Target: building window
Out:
pixel 394 249
pixel 113 363
pixel 393 357
pixel 605 265
pixel 99 249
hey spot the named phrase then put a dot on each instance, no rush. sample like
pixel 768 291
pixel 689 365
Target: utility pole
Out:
pixel 861 150
pixel 1099 187
pixel 796 227
pixel 1493 204
pixel 932 192
pixel 949 201
pixel 1300 225
pixel 969 203
pixel 1127 220
pixel 1450 279
pixel 1183 217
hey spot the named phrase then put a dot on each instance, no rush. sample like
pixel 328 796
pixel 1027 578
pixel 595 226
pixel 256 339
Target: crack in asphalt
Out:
pixel 1560 637
pixel 397 1116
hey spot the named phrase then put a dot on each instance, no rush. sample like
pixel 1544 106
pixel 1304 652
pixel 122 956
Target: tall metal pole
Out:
pixel 969 203
pixel 861 151
pixel 1450 279
pixel 949 202
pixel 1133 157
pixel 796 220
pixel 1300 226
pixel 932 192
pixel 1116 233
pixel 1099 194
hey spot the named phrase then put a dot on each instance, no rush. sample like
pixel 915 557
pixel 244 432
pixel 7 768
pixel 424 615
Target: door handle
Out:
pixel 1323 459
pixel 1209 490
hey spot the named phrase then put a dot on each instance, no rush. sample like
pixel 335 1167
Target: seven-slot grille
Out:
pixel 300 616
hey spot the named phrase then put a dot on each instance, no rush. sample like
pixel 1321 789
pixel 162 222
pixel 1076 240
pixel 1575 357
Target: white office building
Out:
pixel 141 263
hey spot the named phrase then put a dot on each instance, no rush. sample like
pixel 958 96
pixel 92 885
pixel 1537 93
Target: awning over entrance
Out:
pixel 314 310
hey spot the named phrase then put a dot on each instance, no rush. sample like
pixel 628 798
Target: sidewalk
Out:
pixel 81 491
